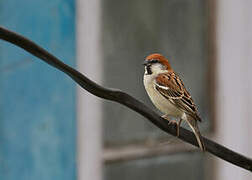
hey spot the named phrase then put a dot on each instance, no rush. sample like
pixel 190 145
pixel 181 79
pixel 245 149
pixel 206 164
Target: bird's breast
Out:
pixel 163 104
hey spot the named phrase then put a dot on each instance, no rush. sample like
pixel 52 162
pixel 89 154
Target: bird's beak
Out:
pixel 145 63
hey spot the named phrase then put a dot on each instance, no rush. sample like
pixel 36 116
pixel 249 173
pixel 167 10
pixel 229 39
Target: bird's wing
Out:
pixel 172 88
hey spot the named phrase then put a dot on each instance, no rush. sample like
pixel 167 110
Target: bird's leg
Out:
pixel 178 126
pixel 173 122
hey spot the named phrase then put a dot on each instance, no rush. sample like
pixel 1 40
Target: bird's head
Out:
pixel 155 64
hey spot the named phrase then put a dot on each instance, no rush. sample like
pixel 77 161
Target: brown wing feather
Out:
pixel 172 88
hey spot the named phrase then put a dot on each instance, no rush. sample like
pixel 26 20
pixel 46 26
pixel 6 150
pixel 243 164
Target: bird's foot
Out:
pixel 166 117
pixel 177 125
pixel 173 122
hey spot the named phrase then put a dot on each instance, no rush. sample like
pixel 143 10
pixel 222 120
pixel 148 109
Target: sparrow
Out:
pixel 168 93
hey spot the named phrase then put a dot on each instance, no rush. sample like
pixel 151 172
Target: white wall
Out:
pixel 234 88
pixel 89 63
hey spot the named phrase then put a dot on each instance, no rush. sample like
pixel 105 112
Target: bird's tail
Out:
pixel 193 125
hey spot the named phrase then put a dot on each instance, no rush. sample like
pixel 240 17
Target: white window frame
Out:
pixel 89 158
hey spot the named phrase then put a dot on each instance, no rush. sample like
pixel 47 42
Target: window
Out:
pixel 130 31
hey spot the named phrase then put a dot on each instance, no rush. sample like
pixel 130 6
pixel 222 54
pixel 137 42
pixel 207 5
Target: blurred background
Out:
pixel 52 129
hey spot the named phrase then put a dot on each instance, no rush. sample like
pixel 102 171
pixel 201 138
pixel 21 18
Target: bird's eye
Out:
pixel 154 61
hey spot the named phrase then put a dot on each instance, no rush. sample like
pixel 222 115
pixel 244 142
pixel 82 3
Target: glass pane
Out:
pixel 133 29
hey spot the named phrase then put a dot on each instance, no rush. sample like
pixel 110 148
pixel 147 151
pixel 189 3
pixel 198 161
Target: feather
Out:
pixel 170 86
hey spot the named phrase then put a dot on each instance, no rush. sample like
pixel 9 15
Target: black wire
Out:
pixel 125 99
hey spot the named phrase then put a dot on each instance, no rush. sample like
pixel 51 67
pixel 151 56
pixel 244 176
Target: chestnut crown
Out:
pixel 157 58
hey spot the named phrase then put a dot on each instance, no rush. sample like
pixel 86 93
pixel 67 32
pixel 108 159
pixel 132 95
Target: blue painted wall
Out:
pixel 37 102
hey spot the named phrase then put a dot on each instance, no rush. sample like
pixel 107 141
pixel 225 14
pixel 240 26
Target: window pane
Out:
pixel 133 29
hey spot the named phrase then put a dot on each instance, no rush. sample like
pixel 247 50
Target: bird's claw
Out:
pixel 177 125
pixel 173 122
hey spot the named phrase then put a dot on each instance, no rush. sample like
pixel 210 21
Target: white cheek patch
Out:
pixel 156 68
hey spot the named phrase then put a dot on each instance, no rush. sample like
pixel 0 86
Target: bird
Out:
pixel 168 93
